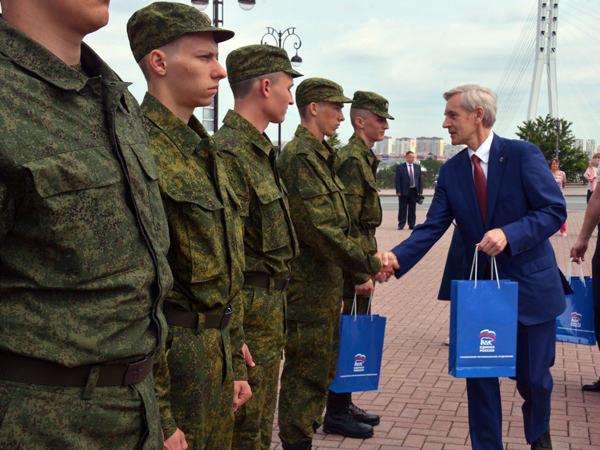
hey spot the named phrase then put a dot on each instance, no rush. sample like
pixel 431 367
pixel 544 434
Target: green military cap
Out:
pixel 254 61
pixel 319 90
pixel 371 102
pixel 162 22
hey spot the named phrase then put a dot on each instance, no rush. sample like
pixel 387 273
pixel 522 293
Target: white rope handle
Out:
pixel 475 265
pixel 354 310
pixel 569 270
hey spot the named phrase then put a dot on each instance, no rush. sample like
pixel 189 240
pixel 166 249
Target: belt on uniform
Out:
pixel 367 231
pixel 23 369
pixel 264 281
pixel 190 319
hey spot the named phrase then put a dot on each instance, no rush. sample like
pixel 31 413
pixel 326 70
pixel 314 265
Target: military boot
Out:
pixel 361 415
pixel 339 420
pixel 302 445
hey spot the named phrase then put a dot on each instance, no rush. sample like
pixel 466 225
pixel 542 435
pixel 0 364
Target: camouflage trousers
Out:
pixel 311 352
pixel 34 417
pixel 264 332
pixel 195 387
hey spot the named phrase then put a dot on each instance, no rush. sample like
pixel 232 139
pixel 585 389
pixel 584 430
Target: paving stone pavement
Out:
pixel 422 407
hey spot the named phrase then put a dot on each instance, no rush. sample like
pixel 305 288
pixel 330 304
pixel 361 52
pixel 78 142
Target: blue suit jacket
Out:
pixel 403 179
pixel 524 201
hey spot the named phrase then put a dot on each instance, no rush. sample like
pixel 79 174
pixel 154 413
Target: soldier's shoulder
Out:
pixel 229 142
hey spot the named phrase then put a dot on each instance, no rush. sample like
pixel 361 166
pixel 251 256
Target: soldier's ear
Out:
pixel 156 62
pixel 264 87
pixel 313 109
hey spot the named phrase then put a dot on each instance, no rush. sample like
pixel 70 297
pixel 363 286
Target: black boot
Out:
pixel 338 419
pixel 361 415
pixel 302 445
pixel 543 443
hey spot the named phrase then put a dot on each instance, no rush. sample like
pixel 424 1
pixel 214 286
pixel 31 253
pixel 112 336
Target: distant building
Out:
pixel 590 147
pixel 430 146
pixel 404 145
pixel 451 150
pixel 385 147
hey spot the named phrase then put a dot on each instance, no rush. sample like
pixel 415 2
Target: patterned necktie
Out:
pixel 411 175
pixel 480 185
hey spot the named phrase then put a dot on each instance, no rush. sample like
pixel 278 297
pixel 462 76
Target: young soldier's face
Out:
pixel 375 126
pixel 280 97
pixel 80 16
pixel 329 117
pixel 193 71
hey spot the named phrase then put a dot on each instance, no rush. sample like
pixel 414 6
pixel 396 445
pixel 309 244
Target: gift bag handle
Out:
pixel 494 268
pixel 354 310
pixel 569 269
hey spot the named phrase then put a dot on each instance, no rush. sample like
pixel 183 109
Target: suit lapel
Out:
pixel 496 165
pixel 467 185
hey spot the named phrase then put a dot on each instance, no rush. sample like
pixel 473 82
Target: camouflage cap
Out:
pixel 162 22
pixel 254 61
pixel 372 102
pixel 319 90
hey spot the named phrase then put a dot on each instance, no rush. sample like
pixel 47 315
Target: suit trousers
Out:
pixel 408 202
pixel 536 348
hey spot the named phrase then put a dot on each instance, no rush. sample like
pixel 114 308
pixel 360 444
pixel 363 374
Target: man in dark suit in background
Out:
pixel 409 184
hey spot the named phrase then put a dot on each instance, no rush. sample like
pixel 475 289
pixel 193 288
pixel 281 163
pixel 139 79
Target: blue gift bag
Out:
pixel 483 327
pixel 361 350
pixel 576 324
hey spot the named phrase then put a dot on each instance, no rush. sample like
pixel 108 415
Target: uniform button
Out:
pixel 194 207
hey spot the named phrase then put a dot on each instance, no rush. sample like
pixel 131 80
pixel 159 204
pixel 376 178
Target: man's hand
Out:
pixel 389 263
pixel 493 242
pixel 364 289
pixel 399 194
pixel 176 442
pixel 579 249
pixel 241 394
pixel 247 356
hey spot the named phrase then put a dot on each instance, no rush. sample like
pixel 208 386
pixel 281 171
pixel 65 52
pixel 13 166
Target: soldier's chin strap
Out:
pixel 354 310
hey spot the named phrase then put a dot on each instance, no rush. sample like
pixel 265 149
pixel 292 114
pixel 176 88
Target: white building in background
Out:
pixel 580 144
pixel 590 147
pixel 404 145
pixel 385 147
pixel 451 150
pixel 430 146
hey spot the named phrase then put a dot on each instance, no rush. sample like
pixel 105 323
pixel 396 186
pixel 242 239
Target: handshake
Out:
pixel 389 263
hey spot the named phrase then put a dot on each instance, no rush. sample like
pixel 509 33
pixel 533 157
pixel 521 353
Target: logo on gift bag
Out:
pixel 487 341
pixel 576 320
pixel 359 362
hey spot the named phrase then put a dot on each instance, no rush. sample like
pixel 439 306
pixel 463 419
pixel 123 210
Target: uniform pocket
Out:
pixel 275 230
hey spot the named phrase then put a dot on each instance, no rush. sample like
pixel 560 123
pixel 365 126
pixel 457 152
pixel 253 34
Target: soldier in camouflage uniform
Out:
pixel 83 241
pixel 357 168
pixel 261 77
pixel 176 47
pixel 307 166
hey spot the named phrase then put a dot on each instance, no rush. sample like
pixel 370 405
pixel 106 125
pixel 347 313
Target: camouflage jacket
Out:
pixel 270 242
pixel 307 167
pixel 206 253
pixel 83 234
pixel 357 168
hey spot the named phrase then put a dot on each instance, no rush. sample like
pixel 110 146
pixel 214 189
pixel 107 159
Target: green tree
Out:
pixel 334 141
pixel 542 132
pixel 432 167
pixel 386 178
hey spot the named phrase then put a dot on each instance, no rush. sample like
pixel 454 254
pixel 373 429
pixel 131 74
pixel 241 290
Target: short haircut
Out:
pixel 241 89
pixel 475 96
pixel 303 110
pixel 356 113
pixel 168 49
pixel 410 152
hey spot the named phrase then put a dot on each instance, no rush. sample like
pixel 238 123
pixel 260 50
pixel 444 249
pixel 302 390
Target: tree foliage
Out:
pixel 542 132
pixel 432 167
pixel 386 178
pixel 334 141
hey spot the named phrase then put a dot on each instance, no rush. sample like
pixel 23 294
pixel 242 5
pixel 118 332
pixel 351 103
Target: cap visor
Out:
pixel 339 99
pixel 293 73
pixel 219 34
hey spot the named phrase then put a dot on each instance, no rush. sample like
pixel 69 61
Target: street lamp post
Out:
pixel 246 5
pixel 280 37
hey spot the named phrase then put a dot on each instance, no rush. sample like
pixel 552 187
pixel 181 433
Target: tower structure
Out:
pixel 545 56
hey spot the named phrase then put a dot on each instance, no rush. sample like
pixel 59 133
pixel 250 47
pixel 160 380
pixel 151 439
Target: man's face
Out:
pixel 280 97
pixel 193 72
pixel 458 122
pixel 374 126
pixel 410 158
pixel 80 16
pixel 329 117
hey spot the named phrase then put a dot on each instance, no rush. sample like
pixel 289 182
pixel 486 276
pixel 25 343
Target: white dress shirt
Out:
pixel 411 169
pixel 483 153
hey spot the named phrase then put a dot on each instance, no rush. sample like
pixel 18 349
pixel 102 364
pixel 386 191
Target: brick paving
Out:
pixel 422 407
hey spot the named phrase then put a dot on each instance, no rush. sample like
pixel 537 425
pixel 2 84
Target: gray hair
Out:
pixel 475 96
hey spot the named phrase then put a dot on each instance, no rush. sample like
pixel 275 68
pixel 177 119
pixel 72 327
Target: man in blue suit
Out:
pixel 409 184
pixel 506 202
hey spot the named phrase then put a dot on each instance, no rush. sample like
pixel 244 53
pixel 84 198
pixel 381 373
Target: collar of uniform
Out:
pixel 249 131
pixel 36 58
pixel 187 138
pixel 320 147
pixel 358 142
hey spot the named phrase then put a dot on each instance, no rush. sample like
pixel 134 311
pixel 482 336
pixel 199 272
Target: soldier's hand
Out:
pixel 364 289
pixel 389 263
pixel 176 442
pixel 248 356
pixel 241 394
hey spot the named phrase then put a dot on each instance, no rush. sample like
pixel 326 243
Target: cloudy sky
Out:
pixel 409 51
